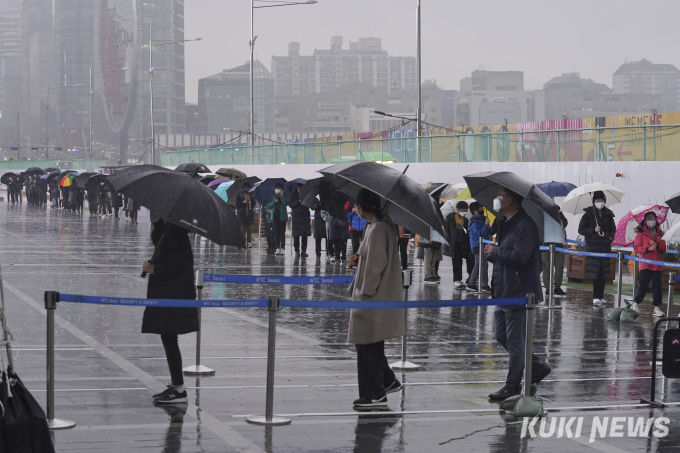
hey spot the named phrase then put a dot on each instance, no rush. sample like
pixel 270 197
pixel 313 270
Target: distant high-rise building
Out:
pixel 652 79
pixel 224 100
pixel 326 70
pixel 10 69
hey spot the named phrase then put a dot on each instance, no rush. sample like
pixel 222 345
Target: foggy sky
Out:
pixel 543 38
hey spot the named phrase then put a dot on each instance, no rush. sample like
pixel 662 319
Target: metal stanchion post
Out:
pixel 51 299
pixel 479 274
pixel 551 280
pixel 198 369
pixel 269 419
pixel 671 290
pixel 635 279
pixel 404 364
pixel 528 349
pixel 619 274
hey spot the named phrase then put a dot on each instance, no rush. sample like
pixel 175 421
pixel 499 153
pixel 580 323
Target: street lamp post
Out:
pixel 419 82
pixel 251 117
pixel 47 117
pixel 151 46
pixel 92 73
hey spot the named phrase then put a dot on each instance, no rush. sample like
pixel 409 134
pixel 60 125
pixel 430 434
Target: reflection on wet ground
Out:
pixel 107 371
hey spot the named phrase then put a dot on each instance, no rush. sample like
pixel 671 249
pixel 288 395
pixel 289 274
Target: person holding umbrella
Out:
pixel 377 279
pixel 319 229
pixel 300 222
pixel 459 245
pixel 244 212
pixel 171 276
pixel 279 216
pixel 597 226
pixel 516 273
pixel 649 244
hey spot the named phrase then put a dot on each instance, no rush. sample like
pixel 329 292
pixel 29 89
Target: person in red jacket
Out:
pixel 650 246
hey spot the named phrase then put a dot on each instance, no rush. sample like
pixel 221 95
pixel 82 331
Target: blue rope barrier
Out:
pixel 400 303
pixel 544 248
pixel 485 241
pixel 579 252
pixel 176 303
pixel 571 241
pixel 655 263
pixel 279 279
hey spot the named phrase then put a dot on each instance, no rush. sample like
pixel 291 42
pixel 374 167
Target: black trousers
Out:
pixel 279 234
pixel 647 275
pixel 598 287
pixel 356 237
pixel 403 247
pixel 296 243
pixel 340 248
pixel 373 370
pixel 318 246
pixel 174 357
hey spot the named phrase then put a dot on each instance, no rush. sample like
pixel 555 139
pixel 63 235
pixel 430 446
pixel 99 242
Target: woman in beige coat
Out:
pixel 378 278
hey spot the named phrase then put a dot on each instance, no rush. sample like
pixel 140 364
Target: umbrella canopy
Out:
pixel 5 178
pixel 216 182
pixel 52 176
pixel 317 186
pixel 541 208
pixel 207 179
pixel 231 173
pixel 221 190
pixel 674 203
pixel 556 189
pixel 51 169
pixel 181 200
pixel 290 185
pixel 673 233
pixel 82 178
pixel 264 189
pixel 451 191
pixel 34 170
pixel 463 195
pixel 63 173
pixel 192 168
pixel 237 187
pixel 625 230
pixel 434 189
pixel 582 197
pixel 403 199
pixel 94 180
pixel 67 180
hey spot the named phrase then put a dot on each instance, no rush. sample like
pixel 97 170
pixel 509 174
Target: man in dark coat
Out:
pixel 245 203
pixel 171 276
pixel 116 202
pixel 516 273
pixel 319 229
pixel 459 247
pixel 301 222
pixel 597 226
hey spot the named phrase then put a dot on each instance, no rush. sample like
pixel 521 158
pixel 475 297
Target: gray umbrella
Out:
pixel 541 208
pixel 403 200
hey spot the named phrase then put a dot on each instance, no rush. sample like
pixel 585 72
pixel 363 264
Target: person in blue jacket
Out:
pixel 279 216
pixel 479 226
pixel 356 227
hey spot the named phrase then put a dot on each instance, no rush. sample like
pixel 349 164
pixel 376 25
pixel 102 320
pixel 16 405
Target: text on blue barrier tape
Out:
pixel 571 241
pixel 656 263
pixel 278 279
pixel 593 254
pixel 176 303
pixel 400 303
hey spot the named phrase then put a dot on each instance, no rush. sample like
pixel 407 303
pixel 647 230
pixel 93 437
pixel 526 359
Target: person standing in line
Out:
pixel 73 198
pixel 356 227
pixel 378 278
pixel 116 202
pixel 171 276
pixel 64 197
pixel 597 226
pixel 133 208
pixel 457 228
pixel 403 237
pixel 338 233
pixel 480 227
pixel 559 264
pixel 80 196
pixel 649 244
pixel 516 273
pixel 319 227
pixel 279 216
pixel 11 192
pixel 244 213
pixel 431 258
pixel 300 222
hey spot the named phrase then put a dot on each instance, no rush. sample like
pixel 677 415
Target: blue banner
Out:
pixel 400 303
pixel 177 303
pixel 582 253
pixel 279 279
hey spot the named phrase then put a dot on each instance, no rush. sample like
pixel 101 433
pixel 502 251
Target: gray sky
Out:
pixel 543 38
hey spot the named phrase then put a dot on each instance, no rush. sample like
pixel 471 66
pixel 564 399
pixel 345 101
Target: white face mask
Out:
pixel 599 205
pixel 463 213
pixel 278 191
pixel 651 223
pixel 497 204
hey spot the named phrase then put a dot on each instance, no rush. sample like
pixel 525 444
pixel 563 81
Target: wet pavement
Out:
pixel 106 370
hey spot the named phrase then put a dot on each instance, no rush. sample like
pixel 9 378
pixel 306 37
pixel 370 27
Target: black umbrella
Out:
pixel 35 170
pixel 237 188
pixel 82 178
pixel 404 200
pixel 541 208
pixel 5 178
pixel 674 203
pixel 181 200
pixel 192 168
pixel 435 189
pixel 317 186
pixel 52 176
pixel 93 181
pixel 290 185
pixel 51 169
pixel 207 179
pixel 231 173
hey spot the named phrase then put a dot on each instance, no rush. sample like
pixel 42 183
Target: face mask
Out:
pixel 278 191
pixel 497 204
pixel 463 213
pixel 651 223
pixel 599 205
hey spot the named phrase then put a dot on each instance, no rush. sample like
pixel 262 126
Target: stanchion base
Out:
pixel 652 403
pixel 406 366
pixel 57 423
pixel 262 421
pixel 198 370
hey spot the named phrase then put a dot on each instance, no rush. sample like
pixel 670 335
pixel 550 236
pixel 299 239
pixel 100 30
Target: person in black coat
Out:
pixel 319 229
pixel 245 203
pixel 597 226
pixel 116 201
pixel 301 222
pixel 171 276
